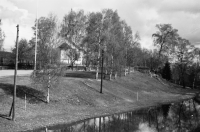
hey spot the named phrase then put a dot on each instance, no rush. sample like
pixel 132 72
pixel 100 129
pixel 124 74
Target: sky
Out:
pixel 141 15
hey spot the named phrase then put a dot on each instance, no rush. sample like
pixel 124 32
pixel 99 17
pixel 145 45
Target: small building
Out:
pixel 65 56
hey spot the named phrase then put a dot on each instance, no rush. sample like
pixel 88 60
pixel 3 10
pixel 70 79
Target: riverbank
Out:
pixel 79 98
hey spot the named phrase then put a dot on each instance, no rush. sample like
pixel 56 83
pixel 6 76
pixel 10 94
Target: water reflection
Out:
pixel 180 117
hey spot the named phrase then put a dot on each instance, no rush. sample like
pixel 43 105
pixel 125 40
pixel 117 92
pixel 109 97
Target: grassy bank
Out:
pixel 77 97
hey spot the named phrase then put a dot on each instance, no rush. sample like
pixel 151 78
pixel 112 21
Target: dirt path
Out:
pixel 6 73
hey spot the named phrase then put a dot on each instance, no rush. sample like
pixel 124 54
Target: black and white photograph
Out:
pixel 99 66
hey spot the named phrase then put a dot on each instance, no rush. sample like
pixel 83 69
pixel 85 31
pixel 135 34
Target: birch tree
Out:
pixel 73 32
pixel 96 36
pixel 48 39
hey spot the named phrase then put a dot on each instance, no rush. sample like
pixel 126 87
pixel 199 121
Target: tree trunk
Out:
pixel 115 75
pixel 110 76
pixel 40 65
pixel 111 70
pixel 129 69
pixel 160 50
pixel 72 66
pixel 193 82
pixel 106 72
pixel 125 72
pixel 98 59
pixel 49 82
pixel 97 72
pixel 48 95
pixel 183 80
pixel 120 71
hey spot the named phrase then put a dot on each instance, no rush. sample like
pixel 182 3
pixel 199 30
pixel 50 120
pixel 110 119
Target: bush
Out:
pixel 166 72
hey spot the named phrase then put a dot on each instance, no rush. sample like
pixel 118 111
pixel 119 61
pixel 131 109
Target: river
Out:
pixel 177 117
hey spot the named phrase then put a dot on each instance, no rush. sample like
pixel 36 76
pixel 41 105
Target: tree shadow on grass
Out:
pixel 83 74
pixel 33 96
pixel 5 116
pixel 80 74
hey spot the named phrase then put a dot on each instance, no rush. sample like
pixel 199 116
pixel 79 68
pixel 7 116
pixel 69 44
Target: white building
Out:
pixel 64 54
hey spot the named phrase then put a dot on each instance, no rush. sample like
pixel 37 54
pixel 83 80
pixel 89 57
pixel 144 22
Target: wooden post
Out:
pixel 84 126
pixel 104 124
pixel 46 129
pixel 94 124
pixel 25 102
pixel 15 77
pixel 11 110
pixel 102 71
pixel 99 124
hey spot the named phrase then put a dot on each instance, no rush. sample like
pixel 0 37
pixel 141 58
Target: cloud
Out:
pixel 184 15
pixel 147 42
pixel 186 23
pixel 185 6
pixel 11 16
pixel 141 15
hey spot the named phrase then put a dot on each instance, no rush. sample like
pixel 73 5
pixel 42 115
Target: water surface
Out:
pixel 176 117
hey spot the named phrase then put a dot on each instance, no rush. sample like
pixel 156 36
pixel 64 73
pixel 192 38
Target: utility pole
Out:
pixel 35 68
pixel 102 70
pixel 15 77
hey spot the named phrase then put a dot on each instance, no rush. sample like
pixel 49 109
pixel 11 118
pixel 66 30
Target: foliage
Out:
pixel 165 37
pixel 101 31
pixel 25 51
pixel 72 32
pixel 183 58
pixel 96 36
pixel 2 37
pixel 73 27
pixel 73 54
pixel 47 54
pixel 166 72
pixel 48 40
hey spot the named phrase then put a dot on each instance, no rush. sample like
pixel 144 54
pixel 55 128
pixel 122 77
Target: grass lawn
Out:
pixel 77 97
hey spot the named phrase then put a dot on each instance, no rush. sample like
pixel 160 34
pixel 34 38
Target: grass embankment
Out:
pixel 77 97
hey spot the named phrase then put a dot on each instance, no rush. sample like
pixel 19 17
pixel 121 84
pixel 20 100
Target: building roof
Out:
pixel 64 46
pixel 69 45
